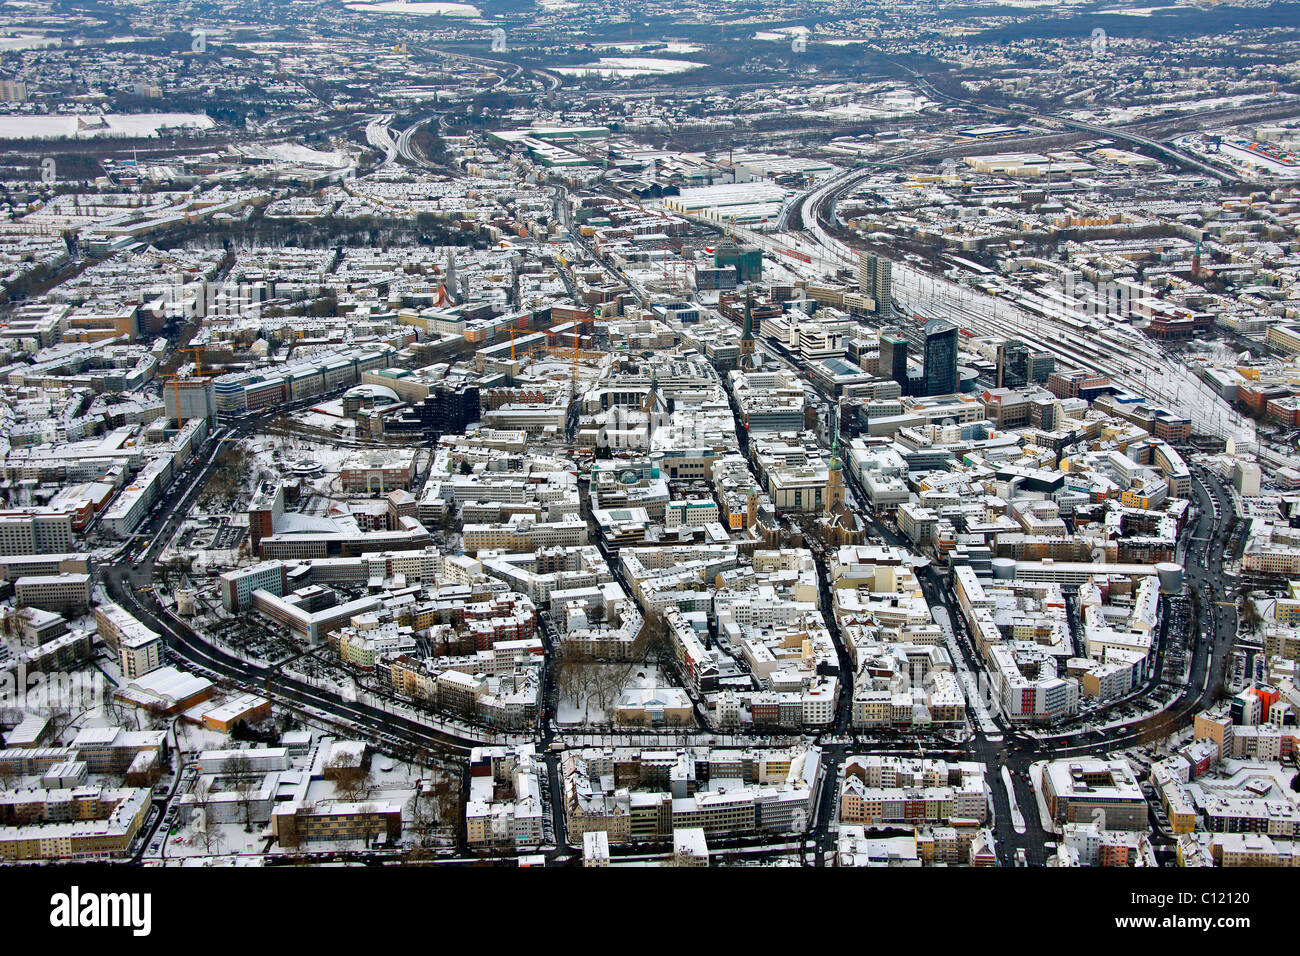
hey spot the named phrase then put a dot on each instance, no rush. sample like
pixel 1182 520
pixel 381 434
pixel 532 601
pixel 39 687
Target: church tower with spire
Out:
pixel 835 477
pixel 655 407
pixel 747 343
pixel 449 278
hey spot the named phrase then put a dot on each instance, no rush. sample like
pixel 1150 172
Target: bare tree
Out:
pixel 575 675
pixel 565 659
pixel 652 644
pixel 375 825
pixel 1249 614
pixel 446 795
pixel 210 838
pixel 424 814
pixel 436 807
pixel 206 833
pixel 60 718
pixel 244 778
pixel 610 680
pixel 115 709
pixel 352 781
pixel 14 620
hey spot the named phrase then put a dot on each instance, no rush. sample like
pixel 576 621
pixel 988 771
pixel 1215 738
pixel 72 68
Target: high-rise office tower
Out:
pixel 940 371
pixel 1039 365
pixel 893 356
pixel 884 290
pixel 875 278
pixel 1013 364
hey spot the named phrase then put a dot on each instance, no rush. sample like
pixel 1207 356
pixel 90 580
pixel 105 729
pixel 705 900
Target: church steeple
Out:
pixel 835 477
pixel 655 407
pixel 747 334
pixel 835 437
pixel 449 277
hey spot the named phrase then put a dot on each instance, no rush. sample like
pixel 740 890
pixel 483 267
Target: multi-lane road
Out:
pixel 1013 747
pixel 128 579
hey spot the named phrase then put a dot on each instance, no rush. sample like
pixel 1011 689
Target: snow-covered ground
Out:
pixel 1118 115
pixel 231 839
pixel 969 682
pixel 417 8
pixel 624 66
pixel 1036 781
pixel 27 41
pixel 670 47
pixel 574 710
pixel 1180 388
pixel 1017 818
pixel 296 153
pixel 90 125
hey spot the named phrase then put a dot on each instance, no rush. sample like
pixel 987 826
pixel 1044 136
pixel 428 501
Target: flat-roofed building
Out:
pixel 237 586
pixel 1086 789
pixel 68 594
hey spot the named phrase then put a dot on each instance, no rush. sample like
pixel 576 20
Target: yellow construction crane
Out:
pixel 594 320
pixel 533 347
pixel 176 393
pixel 175 380
pixel 198 362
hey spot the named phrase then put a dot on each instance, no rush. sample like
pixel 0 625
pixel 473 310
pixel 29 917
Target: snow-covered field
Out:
pixel 628 66
pixel 1134 114
pixel 86 126
pixel 418 8
pixel 295 153
pixel 28 41
pixel 670 47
